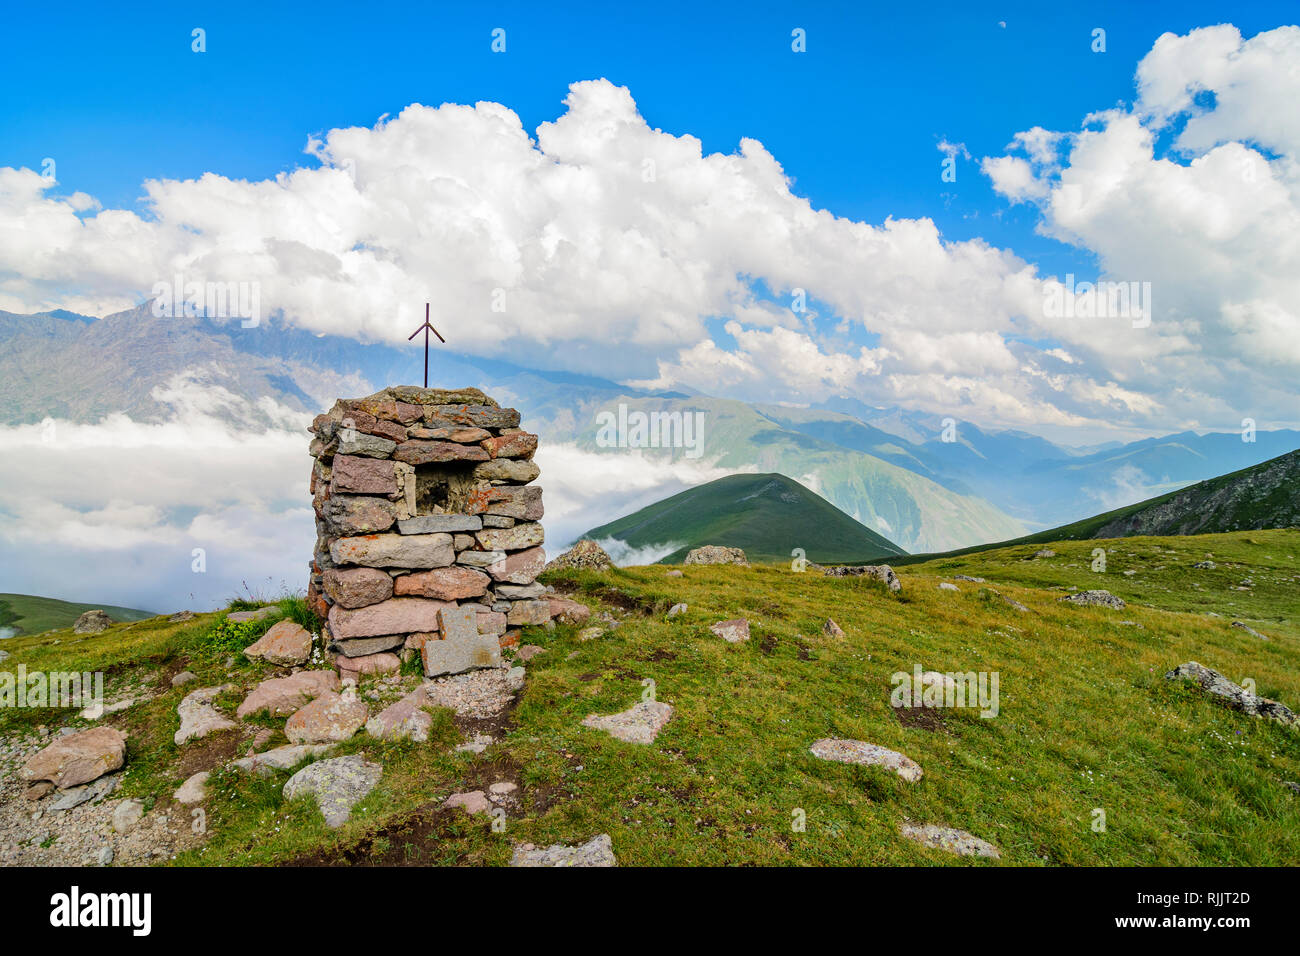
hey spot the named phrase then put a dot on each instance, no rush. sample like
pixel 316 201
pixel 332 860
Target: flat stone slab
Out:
pixel 329 718
pixel 199 717
pixel 281 758
pixel 951 841
pixel 281 696
pixel 861 752
pixel 598 851
pixel 193 790
pixel 475 801
pixel 338 784
pixel 76 796
pixel 639 724
pixel 735 631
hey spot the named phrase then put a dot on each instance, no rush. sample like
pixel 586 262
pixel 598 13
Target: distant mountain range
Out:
pixel 1266 495
pixel 768 516
pixel 889 469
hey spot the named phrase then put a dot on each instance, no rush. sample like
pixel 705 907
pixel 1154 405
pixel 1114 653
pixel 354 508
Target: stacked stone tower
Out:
pixel 427 526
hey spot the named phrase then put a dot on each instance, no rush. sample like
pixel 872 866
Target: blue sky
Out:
pixel 116 95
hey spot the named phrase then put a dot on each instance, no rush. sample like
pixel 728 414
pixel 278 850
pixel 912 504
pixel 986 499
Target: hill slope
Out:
pixel 29 614
pixel 766 515
pixel 1266 495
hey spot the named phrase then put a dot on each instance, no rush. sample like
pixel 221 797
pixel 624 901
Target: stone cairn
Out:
pixel 427 530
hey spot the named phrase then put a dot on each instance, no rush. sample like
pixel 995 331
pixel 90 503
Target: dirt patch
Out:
pixel 921 718
pixel 767 644
pixel 611 596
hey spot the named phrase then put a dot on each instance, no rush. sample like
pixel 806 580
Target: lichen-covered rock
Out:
pixel 949 840
pixel 92 622
pixel 586 554
pixel 328 719
pixel 199 716
pixel 861 752
pixel 639 724
pixel 598 851
pixel 1095 599
pixel 1231 695
pixel 337 785
pixel 735 631
pixel 717 554
pixel 878 572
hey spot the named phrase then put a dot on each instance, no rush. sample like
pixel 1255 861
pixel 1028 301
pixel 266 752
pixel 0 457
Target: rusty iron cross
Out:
pixel 426 329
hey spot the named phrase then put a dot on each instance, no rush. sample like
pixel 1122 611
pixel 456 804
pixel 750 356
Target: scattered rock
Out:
pixel 945 586
pixel 639 724
pixel 105 856
pixel 1240 625
pixel 567 611
pixel 529 651
pixel 677 609
pixel 281 758
pixel 37 791
pixel 184 677
pixel 717 554
pixel 181 616
pixel 98 709
pixel 735 631
pixel 879 572
pixel 590 633
pixel 832 630
pixel 127 814
pixel 199 717
pixel 92 622
pixel 598 851
pixel 1045 553
pixel 953 841
pixel 338 784
pixel 407 719
pixel 1232 695
pixel 674 573
pixel 76 796
pixel 286 643
pixel 329 718
pixel 1095 599
pixel 967 577
pixel 860 752
pixel 243 617
pixel 1009 602
pixel 476 744
pixel 193 790
pixel 474 801
pixel 1204 565
pixel 78 758
pixel 585 554
pixel 281 696
pixel 503 787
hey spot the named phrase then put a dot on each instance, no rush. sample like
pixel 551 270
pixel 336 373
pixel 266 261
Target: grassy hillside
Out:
pixel 1086 721
pixel 766 515
pixel 29 614
pixel 1266 495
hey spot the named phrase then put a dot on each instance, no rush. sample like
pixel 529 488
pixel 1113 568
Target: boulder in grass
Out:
pixel 861 752
pixel 878 572
pixel 949 840
pixel 337 785
pixel 328 719
pixel 286 643
pixel 598 851
pixel 1231 695
pixel 735 631
pixel 585 555
pixel 717 554
pixel 1095 599
pixel 92 622
pixel 639 724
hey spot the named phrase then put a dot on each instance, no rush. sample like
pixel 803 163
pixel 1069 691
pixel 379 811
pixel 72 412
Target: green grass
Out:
pixel 765 515
pixel 1086 721
pixel 29 614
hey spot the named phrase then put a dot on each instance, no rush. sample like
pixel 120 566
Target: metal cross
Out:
pixel 426 329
